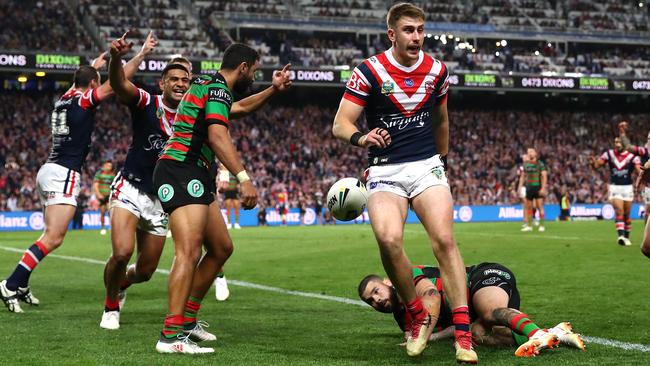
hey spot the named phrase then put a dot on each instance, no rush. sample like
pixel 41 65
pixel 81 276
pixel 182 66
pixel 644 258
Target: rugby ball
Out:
pixel 347 199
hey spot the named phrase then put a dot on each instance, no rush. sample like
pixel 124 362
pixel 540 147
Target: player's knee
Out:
pixel 390 243
pixel 122 257
pixel 444 243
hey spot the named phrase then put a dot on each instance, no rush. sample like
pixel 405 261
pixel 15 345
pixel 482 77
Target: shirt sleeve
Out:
pixel 604 156
pixel 442 84
pixel 217 106
pixel 144 98
pixel 89 99
pixel 357 89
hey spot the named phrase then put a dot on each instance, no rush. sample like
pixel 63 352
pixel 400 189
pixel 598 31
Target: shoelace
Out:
pixel 199 327
pixel 186 340
pixel 465 341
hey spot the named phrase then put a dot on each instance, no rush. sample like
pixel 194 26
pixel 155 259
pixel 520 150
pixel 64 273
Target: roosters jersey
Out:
pixel 643 153
pixel 73 122
pixel 621 165
pixel 402 101
pixel 152 125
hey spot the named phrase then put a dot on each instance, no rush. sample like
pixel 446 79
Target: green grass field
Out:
pixel 574 271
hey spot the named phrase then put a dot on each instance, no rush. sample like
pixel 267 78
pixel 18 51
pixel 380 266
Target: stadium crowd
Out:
pixel 291 149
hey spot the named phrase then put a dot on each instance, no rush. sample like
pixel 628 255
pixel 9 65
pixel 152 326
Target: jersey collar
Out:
pixel 393 61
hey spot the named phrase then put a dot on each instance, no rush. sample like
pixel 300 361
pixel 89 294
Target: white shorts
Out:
pixel 646 195
pixel 620 192
pixel 407 179
pixel 522 192
pixel 58 185
pixel 146 207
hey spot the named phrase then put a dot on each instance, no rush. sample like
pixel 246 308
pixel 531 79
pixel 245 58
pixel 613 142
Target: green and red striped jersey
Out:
pixel 207 102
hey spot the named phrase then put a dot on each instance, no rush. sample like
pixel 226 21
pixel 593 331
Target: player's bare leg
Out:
pixel 150 248
pixel 388 212
pixel 102 213
pixel 627 208
pixel 539 204
pixel 529 216
pixel 188 225
pixel 522 327
pixel 16 286
pixel 218 247
pixel 619 209
pixel 434 208
pixel 645 246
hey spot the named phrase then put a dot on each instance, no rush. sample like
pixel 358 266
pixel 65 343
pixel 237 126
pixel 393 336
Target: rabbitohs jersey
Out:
pixel 401 100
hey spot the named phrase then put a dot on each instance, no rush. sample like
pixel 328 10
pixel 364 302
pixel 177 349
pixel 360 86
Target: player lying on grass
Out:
pixel 494 309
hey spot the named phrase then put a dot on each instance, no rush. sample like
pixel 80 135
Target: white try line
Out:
pixel 595 340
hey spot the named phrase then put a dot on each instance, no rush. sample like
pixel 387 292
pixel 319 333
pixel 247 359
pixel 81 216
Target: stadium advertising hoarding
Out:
pixel 65 63
pixel 26 221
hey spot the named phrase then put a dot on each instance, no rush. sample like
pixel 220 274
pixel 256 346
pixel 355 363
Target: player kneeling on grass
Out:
pixel 493 309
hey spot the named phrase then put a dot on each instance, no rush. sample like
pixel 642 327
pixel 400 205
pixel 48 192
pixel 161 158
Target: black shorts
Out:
pixel 532 192
pixel 180 184
pixel 231 194
pixel 104 201
pixel 493 274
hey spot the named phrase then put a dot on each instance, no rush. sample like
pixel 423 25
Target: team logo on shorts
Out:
pixel 195 188
pixel 165 192
pixel 387 87
pixel 438 172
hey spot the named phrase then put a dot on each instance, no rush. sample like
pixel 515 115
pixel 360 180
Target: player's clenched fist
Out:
pixel 120 46
pixel 248 195
pixel 376 137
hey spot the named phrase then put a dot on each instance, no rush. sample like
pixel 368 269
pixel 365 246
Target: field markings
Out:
pixel 513 235
pixel 595 340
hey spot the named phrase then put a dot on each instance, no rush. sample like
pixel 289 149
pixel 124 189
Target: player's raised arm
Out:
pixel 595 162
pixel 131 67
pixel 123 88
pixel 281 82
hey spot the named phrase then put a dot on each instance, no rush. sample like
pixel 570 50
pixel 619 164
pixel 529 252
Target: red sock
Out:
pixel 460 319
pixel 111 305
pixel 173 326
pixel 415 306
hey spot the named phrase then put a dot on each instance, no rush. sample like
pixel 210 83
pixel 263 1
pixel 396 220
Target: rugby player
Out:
pixel 534 179
pixel 187 192
pixel 58 180
pixel 521 190
pixel 102 190
pixel 494 308
pixel 621 164
pixel 643 152
pixel 404 94
pixel 229 185
pixel 135 210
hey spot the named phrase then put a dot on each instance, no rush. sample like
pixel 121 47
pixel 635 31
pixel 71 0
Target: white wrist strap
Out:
pixel 243 176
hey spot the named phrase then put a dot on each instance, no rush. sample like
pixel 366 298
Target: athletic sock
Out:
pixel 620 226
pixel 173 326
pixel 192 307
pixel 628 227
pixel 111 305
pixel 31 258
pixel 460 319
pixel 519 339
pixel 521 324
pixel 415 307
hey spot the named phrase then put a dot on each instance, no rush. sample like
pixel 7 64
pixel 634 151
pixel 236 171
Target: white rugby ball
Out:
pixel 347 199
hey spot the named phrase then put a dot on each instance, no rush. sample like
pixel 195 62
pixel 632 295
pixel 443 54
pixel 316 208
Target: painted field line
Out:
pixel 595 340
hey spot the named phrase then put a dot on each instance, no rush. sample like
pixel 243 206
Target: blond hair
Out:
pixel 403 10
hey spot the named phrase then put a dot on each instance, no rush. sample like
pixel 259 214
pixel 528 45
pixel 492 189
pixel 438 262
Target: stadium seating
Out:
pixel 306 162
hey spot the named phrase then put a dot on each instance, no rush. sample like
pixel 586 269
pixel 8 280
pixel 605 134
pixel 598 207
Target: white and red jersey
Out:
pixel 642 152
pixel 401 100
pixel 621 165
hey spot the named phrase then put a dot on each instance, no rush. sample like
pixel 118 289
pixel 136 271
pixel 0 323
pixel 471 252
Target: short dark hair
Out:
pixel 181 59
pixel 364 283
pixel 84 75
pixel 171 66
pixel 237 53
